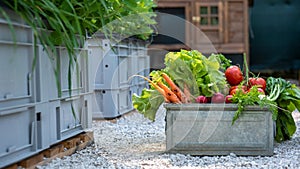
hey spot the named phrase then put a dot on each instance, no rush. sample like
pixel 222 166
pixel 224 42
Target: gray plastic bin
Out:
pixel 138 54
pixel 77 71
pixel 69 116
pixel 22 33
pixel 46 80
pixel 16 78
pixel 86 115
pixel 18 129
pixel 114 65
pixel 112 103
pixel 48 125
pixel 46 66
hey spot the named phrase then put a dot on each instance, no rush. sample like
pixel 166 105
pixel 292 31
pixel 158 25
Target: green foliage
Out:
pixel 205 70
pixel 224 62
pixel 147 103
pixel 288 101
pixel 253 97
pixel 67 22
pixel 201 75
pixel 282 99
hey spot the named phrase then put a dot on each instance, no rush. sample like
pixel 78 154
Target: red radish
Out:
pixel 228 99
pixel 261 91
pixel 234 75
pixel 218 98
pixel 233 89
pixel 201 99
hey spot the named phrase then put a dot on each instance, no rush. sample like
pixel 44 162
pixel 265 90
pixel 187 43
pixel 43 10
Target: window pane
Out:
pixel 204 21
pixel 214 21
pixel 203 10
pixel 214 10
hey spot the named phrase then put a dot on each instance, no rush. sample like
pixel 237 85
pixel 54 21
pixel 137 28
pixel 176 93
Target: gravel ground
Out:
pixel 133 142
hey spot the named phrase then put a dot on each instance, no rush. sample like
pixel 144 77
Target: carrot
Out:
pixel 175 88
pixel 159 89
pixel 171 96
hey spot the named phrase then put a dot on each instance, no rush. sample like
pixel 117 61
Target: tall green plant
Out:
pixel 66 22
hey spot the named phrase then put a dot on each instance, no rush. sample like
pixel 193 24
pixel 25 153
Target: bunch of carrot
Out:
pixel 173 94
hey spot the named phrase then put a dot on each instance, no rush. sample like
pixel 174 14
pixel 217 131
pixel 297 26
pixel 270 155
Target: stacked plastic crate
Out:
pixel 33 114
pixel 115 64
pixel 67 97
pixel 138 51
pixel 17 95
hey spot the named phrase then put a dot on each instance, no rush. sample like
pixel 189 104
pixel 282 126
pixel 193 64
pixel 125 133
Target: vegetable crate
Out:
pixel 48 123
pixel 18 128
pixel 115 67
pixel 16 57
pixel 206 129
pixel 46 66
pixel 140 59
pixel 111 103
pixel 114 64
pixel 78 72
pixel 59 120
pixel 32 114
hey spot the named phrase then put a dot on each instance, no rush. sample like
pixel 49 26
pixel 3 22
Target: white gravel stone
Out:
pixel 133 142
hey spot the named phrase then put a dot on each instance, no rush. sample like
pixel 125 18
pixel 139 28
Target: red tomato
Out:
pixel 259 82
pixel 234 75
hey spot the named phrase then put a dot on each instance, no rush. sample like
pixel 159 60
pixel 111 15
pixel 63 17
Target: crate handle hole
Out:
pixel 38 116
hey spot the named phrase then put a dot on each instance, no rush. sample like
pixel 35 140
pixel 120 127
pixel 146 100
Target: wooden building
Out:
pixel 222 24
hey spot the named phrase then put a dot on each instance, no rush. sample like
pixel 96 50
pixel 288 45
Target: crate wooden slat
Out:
pixel 59 150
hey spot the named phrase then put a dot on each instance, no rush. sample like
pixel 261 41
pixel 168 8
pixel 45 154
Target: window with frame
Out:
pixel 209 15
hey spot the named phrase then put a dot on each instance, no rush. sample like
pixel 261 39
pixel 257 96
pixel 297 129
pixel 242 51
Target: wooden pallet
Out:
pixel 59 150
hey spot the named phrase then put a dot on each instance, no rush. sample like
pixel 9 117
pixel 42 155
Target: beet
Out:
pixel 218 98
pixel 201 99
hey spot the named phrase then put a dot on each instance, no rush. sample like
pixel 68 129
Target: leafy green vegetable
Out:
pixel 285 126
pixel 275 86
pixel 287 97
pixel 200 74
pixel 206 71
pixel 148 102
pixel 225 63
pixel 182 75
pixel 253 97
